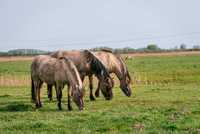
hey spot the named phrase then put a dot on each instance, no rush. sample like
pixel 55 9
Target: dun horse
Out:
pixel 115 64
pixel 88 64
pixel 57 72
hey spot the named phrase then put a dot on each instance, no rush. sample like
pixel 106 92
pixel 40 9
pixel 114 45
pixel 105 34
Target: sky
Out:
pixel 77 24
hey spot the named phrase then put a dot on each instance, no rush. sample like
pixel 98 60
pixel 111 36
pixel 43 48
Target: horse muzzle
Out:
pixel 127 91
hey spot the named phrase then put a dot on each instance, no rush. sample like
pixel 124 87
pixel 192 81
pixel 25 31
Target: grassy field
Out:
pixel 166 99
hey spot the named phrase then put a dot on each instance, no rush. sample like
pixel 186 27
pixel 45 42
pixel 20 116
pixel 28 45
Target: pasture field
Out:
pixel 166 99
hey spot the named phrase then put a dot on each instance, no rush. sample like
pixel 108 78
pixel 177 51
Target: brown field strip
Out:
pixel 15 58
pixel 183 53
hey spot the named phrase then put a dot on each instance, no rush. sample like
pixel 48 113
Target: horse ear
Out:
pixel 57 54
pixel 88 55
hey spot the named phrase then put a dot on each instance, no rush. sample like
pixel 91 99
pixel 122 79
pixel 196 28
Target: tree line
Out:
pixel 23 52
pixel 148 48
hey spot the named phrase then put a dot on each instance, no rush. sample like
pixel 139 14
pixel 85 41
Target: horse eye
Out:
pixel 107 80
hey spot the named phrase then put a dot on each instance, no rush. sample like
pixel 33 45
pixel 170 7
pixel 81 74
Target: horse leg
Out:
pixel 49 91
pixel 91 88
pixel 33 95
pixel 82 77
pixel 69 98
pixel 59 96
pixel 36 90
pixel 39 92
pixel 97 91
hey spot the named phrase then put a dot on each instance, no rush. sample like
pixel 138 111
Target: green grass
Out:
pixel 153 108
pixel 175 69
pixel 15 68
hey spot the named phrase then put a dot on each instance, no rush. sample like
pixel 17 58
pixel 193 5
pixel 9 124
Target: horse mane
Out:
pixel 73 69
pixel 96 65
pixel 106 50
pixel 57 54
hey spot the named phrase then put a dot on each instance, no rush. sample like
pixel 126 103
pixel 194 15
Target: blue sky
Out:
pixel 75 24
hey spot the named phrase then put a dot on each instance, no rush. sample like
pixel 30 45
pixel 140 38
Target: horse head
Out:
pixel 125 83
pixel 106 85
pixel 77 95
pixel 76 83
pixel 98 68
pixel 125 79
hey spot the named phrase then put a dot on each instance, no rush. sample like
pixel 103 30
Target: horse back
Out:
pixel 48 69
pixel 108 59
pixel 77 57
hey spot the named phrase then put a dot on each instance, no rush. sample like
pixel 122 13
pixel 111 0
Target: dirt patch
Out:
pixel 183 53
pixel 16 58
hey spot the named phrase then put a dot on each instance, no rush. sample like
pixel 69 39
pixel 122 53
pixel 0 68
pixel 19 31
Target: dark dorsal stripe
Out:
pixel 97 66
pixel 106 50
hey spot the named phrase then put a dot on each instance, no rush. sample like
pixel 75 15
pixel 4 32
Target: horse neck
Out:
pixel 75 78
pixel 118 72
pixel 120 69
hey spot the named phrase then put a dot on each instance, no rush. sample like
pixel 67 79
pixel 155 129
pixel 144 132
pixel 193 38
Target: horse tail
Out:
pixel 32 91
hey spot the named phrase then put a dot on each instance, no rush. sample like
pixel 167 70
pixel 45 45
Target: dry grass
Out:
pixel 14 81
pixel 183 53
pixel 15 58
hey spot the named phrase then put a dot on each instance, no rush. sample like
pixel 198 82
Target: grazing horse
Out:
pixel 115 64
pixel 88 64
pixel 57 72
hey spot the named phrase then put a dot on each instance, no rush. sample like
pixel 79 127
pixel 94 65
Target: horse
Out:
pixel 115 64
pixel 88 64
pixel 57 72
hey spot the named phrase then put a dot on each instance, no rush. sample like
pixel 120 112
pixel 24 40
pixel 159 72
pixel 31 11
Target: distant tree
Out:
pixel 196 47
pixel 3 53
pixel 26 52
pixel 153 47
pixel 183 46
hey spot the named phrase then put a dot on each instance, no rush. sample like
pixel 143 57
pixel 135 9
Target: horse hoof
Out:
pixel 92 98
pixel 70 108
pixel 37 106
pixel 81 109
pixel 59 107
pixel 97 94
pixel 40 105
